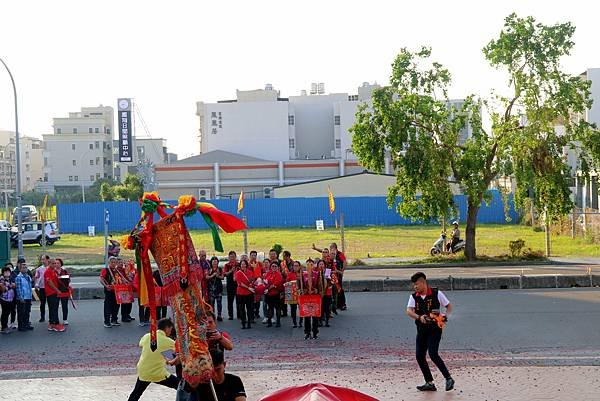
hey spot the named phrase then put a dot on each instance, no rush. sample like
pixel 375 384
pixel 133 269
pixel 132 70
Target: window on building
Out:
pixel 108 131
pixel 72 146
pixel 90 130
pixel 45 162
pixel 97 145
pixel 338 144
pixel 105 175
pixel 45 177
pixel 91 178
pixel 292 143
pixel 213 114
pixel 74 130
pixel 27 167
pixel 96 130
pixel 290 120
pixel 91 162
pixel 75 162
pixel 70 178
pixel 97 161
pixel 27 155
pixel 76 178
pixel 91 146
pixel 58 131
pixel 97 176
pixel 336 120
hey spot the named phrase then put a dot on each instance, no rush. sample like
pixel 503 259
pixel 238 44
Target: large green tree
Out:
pixel 413 121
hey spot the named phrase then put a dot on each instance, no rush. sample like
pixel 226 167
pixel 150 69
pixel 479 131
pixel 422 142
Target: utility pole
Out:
pixel 18 162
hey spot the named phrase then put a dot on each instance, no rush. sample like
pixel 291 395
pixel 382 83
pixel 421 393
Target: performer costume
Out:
pixel 170 244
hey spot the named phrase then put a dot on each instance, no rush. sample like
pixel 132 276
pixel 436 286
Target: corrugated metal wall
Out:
pixel 264 213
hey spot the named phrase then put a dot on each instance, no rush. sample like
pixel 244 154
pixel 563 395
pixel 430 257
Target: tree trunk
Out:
pixel 472 210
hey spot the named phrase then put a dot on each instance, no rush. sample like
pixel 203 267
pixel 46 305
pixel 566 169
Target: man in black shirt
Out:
pixel 423 306
pixel 227 386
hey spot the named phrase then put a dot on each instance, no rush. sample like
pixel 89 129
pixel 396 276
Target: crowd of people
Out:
pixel 49 283
pixel 253 288
pixel 270 288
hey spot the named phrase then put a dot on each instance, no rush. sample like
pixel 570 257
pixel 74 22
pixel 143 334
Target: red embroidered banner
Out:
pixel 310 305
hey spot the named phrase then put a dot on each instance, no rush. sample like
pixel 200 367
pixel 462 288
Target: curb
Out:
pixel 446 284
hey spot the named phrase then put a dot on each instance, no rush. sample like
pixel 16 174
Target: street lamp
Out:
pixel 18 157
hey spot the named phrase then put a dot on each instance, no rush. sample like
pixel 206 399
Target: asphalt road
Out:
pixel 488 328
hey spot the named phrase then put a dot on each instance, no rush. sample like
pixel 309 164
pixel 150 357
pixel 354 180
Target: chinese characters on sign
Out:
pixel 216 121
pixel 125 128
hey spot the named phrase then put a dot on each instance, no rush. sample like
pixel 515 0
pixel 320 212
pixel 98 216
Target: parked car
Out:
pixel 31 233
pixel 28 213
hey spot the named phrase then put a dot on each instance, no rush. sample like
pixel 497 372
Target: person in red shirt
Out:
pixel 108 277
pixel 273 294
pixel 51 286
pixel 228 270
pixel 339 264
pixel 217 340
pixel 64 285
pixel 257 270
pixel 244 279
pixel 294 275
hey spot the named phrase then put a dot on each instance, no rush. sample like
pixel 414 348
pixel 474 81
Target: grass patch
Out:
pixel 361 243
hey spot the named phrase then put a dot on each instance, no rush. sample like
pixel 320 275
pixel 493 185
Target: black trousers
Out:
pixel 13 313
pixel 161 312
pixel 246 305
pixel 111 307
pixel 428 340
pixel 64 303
pixel 294 313
pixel 311 324
pixel 141 386
pixel 23 312
pixel 53 303
pixel 7 309
pixel 274 304
pixel 42 296
pixel 143 313
pixel 230 302
pixel 341 296
pixel 126 311
pixel 326 308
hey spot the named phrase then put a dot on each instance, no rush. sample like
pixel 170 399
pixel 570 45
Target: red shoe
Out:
pixel 59 327
pixel 51 327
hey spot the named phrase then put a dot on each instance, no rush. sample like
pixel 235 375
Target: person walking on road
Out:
pixel 111 307
pixel 424 306
pixel 151 366
pixel 7 297
pixel 52 284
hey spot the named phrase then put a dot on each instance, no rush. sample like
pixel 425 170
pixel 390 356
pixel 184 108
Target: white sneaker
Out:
pixel 66 323
pixel 265 321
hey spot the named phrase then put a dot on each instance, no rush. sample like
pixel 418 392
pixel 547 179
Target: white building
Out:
pixel 31 161
pixel 260 123
pixel 79 151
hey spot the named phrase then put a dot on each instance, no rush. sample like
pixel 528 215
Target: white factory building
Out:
pixel 262 124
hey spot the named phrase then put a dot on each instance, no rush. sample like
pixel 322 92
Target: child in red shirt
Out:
pixel 273 296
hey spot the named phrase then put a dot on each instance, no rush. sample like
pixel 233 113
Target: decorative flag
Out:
pixel 214 217
pixel 241 201
pixel 44 208
pixel 331 201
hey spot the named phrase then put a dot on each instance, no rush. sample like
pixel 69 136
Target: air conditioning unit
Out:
pixel 267 192
pixel 204 193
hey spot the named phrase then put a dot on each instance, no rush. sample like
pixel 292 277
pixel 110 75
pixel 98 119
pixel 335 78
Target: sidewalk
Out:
pixel 383 383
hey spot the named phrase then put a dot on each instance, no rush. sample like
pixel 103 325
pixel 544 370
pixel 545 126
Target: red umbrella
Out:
pixel 317 392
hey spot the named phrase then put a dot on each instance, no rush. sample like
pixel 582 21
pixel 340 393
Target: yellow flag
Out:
pixel 331 201
pixel 241 201
pixel 45 208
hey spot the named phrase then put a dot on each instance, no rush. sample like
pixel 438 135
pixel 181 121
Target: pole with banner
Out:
pixel 106 221
pixel 125 131
pixel 240 207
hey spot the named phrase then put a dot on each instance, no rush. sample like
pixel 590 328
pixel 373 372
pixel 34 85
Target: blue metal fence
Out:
pixel 265 213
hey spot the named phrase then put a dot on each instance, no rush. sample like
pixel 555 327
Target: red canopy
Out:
pixel 317 392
